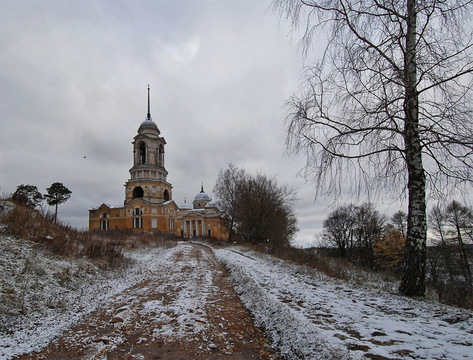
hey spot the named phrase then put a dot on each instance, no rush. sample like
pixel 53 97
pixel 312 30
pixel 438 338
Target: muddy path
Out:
pixel 186 309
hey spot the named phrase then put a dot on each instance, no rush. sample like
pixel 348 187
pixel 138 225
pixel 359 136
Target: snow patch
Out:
pixel 308 315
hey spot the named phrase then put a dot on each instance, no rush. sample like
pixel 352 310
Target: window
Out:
pixel 154 223
pixel 104 221
pixel 137 219
pixel 142 152
pixel 161 155
pixel 166 195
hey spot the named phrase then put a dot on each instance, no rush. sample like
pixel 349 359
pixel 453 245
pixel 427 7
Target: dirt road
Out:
pixel 186 309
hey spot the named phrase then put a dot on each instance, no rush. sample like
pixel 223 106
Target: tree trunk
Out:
pixel 55 215
pixel 230 231
pixel 413 277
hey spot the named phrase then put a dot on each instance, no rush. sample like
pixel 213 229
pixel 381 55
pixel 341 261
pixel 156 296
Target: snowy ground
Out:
pixel 311 316
pixel 173 303
pixel 42 295
pixel 171 294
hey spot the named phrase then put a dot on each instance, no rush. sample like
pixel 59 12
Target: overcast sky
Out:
pixel 73 84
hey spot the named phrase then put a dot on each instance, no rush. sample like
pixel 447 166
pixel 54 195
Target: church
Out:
pixel 149 204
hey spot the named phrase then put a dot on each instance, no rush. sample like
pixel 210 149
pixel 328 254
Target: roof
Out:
pixel 202 195
pixel 185 206
pixel 212 204
pixel 148 123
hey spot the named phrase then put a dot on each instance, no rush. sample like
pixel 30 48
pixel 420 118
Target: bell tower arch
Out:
pixel 148 176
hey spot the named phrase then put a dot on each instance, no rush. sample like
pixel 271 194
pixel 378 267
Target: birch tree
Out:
pixel 387 104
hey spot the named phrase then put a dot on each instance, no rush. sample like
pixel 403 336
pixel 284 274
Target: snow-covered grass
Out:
pixel 305 313
pixel 42 295
pixel 308 315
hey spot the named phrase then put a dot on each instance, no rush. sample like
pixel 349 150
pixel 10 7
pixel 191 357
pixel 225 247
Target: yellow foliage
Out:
pixel 388 250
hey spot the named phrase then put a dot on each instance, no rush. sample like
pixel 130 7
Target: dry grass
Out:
pixel 131 240
pixel 452 293
pixel 332 266
pixel 335 267
pixel 26 223
pixel 103 248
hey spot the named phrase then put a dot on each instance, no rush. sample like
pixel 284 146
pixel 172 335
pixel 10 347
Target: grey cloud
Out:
pixel 73 78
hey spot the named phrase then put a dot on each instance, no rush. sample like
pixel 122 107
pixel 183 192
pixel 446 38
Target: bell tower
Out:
pixel 148 176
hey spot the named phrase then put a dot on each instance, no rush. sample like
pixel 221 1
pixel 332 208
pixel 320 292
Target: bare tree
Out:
pixel 387 105
pixel 261 210
pixel 354 229
pixel 338 229
pixel 399 220
pixel 460 219
pixel 226 190
pixel 264 211
pixel 451 227
pixel 369 226
pixel 440 261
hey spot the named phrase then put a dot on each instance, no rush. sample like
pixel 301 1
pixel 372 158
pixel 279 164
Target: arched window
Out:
pixel 137 219
pixel 138 192
pixel 104 221
pixel 142 152
pixel 166 195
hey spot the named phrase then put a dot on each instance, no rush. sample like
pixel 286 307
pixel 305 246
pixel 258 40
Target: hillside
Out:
pixel 175 300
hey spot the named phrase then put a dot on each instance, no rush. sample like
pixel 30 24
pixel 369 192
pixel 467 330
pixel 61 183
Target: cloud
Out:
pixel 181 54
pixel 73 80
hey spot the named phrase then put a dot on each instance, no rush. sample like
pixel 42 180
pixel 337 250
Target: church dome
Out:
pixel 202 196
pixel 212 204
pixel 185 206
pixel 149 123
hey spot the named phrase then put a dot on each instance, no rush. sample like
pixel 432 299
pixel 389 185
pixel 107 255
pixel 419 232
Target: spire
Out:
pixel 148 117
pixel 148 122
pixel 202 187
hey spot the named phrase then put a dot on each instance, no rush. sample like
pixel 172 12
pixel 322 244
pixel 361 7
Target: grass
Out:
pixel 452 293
pixel 103 248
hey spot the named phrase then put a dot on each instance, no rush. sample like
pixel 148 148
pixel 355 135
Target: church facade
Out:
pixel 149 205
